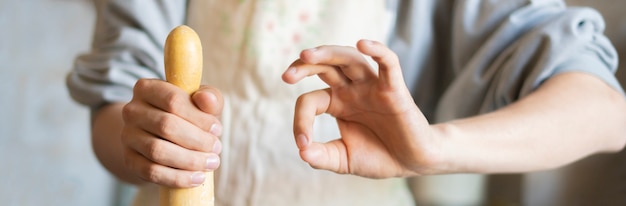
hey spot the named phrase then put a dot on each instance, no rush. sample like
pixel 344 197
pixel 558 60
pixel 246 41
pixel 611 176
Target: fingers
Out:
pixel 171 127
pixel 160 174
pixel 339 65
pixel 171 99
pixel 308 106
pixel 167 153
pixel 298 70
pixel 170 134
pixel 389 70
pixel 348 59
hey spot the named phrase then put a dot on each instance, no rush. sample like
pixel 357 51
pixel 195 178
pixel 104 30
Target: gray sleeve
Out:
pixel 127 45
pixel 499 57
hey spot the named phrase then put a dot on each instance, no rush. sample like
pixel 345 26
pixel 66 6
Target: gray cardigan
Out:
pixel 459 58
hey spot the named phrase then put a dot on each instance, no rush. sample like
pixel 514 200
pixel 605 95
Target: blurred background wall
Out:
pixel 45 153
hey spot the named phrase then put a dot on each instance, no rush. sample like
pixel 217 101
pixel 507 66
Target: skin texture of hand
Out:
pixel 375 113
pixel 169 138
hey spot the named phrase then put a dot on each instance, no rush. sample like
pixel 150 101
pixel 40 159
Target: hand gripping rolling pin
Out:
pixel 183 68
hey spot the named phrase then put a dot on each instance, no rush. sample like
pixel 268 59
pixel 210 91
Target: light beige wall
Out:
pixel 45 152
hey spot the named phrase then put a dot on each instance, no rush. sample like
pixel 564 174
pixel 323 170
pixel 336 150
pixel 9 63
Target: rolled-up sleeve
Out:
pixel 539 39
pixel 127 45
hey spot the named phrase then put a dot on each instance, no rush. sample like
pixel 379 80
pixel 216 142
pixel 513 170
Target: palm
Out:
pixel 359 110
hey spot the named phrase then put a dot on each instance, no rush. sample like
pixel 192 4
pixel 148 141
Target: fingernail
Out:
pixel 302 141
pixel 197 178
pixel 217 147
pixel 216 129
pixel 212 162
pixel 312 49
pixel 368 42
pixel 292 70
pixel 212 97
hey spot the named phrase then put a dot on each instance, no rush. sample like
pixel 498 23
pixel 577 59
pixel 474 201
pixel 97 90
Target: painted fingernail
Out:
pixel 197 178
pixel 302 141
pixel 217 147
pixel 212 162
pixel 216 129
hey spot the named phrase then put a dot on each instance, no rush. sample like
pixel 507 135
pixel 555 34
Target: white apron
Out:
pixel 247 45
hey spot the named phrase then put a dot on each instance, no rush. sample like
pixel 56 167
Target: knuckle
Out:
pixel 181 180
pixel 141 85
pixel 172 101
pixel 302 99
pixel 166 125
pixel 391 58
pixel 307 98
pixel 150 173
pixel 127 111
pixel 155 151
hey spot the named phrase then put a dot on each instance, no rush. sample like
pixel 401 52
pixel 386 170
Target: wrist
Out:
pixel 427 153
pixel 441 151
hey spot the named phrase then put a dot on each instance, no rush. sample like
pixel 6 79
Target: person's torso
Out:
pixel 247 46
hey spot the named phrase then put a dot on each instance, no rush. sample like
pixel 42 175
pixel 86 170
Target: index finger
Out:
pixel 331 75
pixel 171 99
pixel 348 59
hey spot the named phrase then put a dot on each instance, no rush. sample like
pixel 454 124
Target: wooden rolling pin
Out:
pixel 183 68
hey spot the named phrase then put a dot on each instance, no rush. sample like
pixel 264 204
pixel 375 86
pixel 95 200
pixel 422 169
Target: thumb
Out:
pixel 209 100
pixel 331 156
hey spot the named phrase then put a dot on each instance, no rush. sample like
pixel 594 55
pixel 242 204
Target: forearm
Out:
pixel 570 116
pixel 107 144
